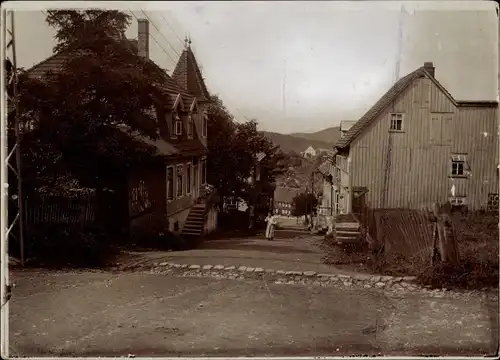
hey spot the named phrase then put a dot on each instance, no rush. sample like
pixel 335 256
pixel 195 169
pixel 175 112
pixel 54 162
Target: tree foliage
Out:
pixel 233 148
pixel 304 204
pixel 76 26
pixel 74 112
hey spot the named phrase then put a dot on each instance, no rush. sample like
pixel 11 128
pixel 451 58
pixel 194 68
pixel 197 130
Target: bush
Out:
pixel 60 246
pixel 478 244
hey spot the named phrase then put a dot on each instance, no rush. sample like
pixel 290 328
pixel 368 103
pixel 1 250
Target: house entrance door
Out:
pixel 336 204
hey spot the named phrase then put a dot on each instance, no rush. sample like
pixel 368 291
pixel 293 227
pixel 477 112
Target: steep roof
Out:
pixel 285 194
pixel 385 101
pixel 56 62
pixel 324 168
pixel 188 75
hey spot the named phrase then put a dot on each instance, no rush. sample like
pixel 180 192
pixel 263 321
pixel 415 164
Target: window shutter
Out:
pixel 436 130
pixel 448 129
pixel 417 93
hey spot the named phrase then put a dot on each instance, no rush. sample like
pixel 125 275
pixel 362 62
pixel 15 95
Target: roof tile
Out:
pixel 188 75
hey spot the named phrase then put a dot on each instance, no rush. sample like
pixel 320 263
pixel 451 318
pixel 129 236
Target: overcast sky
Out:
pixel 305 66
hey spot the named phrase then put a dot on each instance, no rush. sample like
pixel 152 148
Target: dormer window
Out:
pixel 204 129
pixel 190 126
pixel 177 124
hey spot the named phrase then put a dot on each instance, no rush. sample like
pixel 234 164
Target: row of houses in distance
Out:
pixel 416 146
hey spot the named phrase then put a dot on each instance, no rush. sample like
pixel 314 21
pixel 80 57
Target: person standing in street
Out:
pixel 271 225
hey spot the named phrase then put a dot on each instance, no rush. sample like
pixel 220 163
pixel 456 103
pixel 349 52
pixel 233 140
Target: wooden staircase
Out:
pixel 195 222
pixel 347 229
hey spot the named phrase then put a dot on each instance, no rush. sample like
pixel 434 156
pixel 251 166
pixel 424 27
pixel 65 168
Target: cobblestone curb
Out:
pixel 389 284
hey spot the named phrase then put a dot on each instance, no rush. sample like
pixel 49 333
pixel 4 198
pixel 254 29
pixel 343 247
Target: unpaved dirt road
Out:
pixel 116 314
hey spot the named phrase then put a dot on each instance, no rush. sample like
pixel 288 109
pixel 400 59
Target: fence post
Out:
pixel 445 235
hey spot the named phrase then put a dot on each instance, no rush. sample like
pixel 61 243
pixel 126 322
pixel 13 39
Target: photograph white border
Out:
pixel 151 6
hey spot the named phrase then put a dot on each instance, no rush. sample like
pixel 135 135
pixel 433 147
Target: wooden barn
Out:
pixel 418 145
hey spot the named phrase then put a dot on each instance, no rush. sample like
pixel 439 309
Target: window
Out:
pixel 190 126
pixel 457 201
pixel 180 189
pixel 396 122
pixel 204 171
pixel 170 183
pixel 458 165
pixel 204 130
pixel 177 124
pixel 188 178
pixel 492 202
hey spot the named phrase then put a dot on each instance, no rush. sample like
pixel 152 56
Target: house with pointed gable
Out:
pixel 419 145
pixel 169 193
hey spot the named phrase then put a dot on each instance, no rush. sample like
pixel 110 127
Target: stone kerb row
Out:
pixel 288 277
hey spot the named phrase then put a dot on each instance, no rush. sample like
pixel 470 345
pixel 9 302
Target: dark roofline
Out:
pixel 175 87
pixel 478 103
pixel 378 107
pixel 388 98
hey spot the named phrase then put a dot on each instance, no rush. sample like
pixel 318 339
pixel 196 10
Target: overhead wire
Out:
pixel 182 42
pixel 164 37
pixel 171 46
pixel 154 39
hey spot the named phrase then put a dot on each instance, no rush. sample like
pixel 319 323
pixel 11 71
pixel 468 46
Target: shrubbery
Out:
pixel 59 246
pixel 478 242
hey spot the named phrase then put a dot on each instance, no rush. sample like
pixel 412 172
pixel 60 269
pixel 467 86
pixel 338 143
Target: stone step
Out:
pixel 191 233
pixel 194 221
pixel 347 233
pixel 346 239
pixel 346 226
pixel 193 226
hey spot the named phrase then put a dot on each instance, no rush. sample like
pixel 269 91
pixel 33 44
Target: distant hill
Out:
pixel 290 143
pixel 324 139
pixel 329 135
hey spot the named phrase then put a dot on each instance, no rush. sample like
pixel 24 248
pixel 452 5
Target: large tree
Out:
pixel 304 204
pixel 74 111
pixel 233 149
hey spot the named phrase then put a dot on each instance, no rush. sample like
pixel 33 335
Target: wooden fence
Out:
pixel 409 234
pixel 75 212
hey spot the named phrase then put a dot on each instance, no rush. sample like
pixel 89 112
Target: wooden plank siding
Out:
pixel 433 129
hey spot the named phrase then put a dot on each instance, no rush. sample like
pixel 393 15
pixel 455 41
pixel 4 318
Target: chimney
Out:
pixel 429 67
pixel 143 38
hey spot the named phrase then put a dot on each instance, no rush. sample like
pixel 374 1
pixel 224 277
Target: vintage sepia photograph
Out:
pixel 250 179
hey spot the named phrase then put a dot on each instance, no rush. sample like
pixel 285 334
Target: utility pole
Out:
pixel 11 160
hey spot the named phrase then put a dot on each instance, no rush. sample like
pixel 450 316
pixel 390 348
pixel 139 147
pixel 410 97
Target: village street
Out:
pixel 181 312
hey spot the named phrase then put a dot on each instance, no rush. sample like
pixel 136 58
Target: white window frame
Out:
pixel 457 159
pixel 190 126
pixel 181 166
pixel 204 127
pixel 457 200
pixel 176 119
pixel 172 196
pixel 189 178
pixel 393 120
